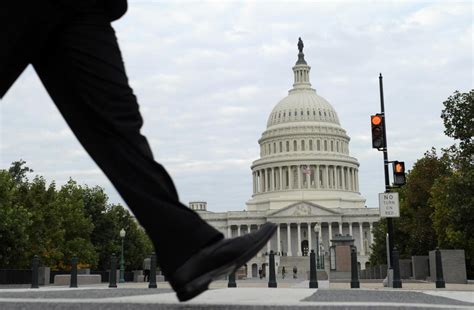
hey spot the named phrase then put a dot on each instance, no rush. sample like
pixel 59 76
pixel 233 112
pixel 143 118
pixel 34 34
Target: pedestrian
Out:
pixel 283 272
pixel 74 51
pixel 146 269
pixel 260 272
pixel 295 272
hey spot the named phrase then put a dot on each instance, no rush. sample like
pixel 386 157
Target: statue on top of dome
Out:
pixel 300 45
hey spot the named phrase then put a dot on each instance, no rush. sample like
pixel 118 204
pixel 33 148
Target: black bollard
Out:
pixel 439 270
pixel 152 283
pixel 272 278
pixel 397 283
pixel 113 271
pixel 313 276
pixel 232 282
pixel 34 271
pixel 354 269
pixel 73 282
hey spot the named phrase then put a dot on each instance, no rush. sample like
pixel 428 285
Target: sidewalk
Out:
pixel 249 295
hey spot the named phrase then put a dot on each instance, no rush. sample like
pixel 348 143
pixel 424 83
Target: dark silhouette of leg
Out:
pixel 82 69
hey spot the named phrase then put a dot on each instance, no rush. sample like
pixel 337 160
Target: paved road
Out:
pixel 101 297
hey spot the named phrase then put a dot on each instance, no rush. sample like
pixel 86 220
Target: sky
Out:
pixel 207 75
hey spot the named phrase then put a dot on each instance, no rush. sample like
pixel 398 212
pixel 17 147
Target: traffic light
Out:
pixel 378 141
pixel 399 173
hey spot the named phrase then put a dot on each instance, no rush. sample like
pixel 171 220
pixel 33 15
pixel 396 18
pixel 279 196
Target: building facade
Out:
pixel 305 181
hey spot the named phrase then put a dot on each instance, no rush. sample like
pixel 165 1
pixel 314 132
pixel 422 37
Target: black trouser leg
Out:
pixel 82 70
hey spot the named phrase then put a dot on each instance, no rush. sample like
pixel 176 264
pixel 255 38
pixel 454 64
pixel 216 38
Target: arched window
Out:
pixel 318 145
pixel 287 146
pixel 337 146
pixel 281 146
pixel 325 145
pixel 295 148
pixel 310 145
pixel 274 147
pixel 332 146
pixel 302 145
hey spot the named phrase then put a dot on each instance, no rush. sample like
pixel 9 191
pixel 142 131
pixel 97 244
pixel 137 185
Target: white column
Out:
pixel 272 178
pixel 288 236
pixel 336 179
pixel 340 228
pixel 353 179
pixel 264 181
pixel 330 232
pixel 308 178
pixel 298 184
pixel 290 177
pixel 316 176
pixel 269 179
pixel 350 228
pixel 229 232
pixel 343 178
pixel 238 230
pixel 278 239
pixel 357 180
pixel 371 233
pixel 361 239
pixel 299 239
pixel 349 179
pixel 309 239
pixel 281 178
pixel 326 185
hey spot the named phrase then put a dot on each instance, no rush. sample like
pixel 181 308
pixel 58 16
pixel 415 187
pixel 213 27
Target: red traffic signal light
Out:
pixel 399 173
pixel 376 121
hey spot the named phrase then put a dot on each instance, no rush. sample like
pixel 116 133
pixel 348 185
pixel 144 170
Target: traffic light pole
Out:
pixel 387 178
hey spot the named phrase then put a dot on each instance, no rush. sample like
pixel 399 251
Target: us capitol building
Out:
pixel 305 181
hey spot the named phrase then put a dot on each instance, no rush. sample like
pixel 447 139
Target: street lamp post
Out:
pixel 316 230
pixel 122 267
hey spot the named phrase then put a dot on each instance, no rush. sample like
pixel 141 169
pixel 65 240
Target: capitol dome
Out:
pixel 302 106
pixel 304 152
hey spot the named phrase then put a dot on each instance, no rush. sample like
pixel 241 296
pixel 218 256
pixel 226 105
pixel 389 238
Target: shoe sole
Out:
pixel 201 284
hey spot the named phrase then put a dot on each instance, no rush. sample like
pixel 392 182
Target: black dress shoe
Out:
pixel 218 259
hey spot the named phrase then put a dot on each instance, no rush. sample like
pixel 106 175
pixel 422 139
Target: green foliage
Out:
pixel 14 222
pixel 38 219
pixel 458 118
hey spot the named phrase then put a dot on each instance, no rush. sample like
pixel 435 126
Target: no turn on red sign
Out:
pixel 389 205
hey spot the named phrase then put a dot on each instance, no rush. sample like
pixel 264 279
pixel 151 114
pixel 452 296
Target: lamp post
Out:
pixel 316 230
pixel 122 268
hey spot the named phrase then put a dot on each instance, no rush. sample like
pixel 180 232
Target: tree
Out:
pixel 458 119
pixel 77 226
pixel 14 222
pixel 137 245
pixel 453 195
pixel 18 171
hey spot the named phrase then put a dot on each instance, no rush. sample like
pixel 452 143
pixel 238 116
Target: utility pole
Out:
pixel 385 164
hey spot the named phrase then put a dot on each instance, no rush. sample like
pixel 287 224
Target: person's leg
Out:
pixel 82 70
